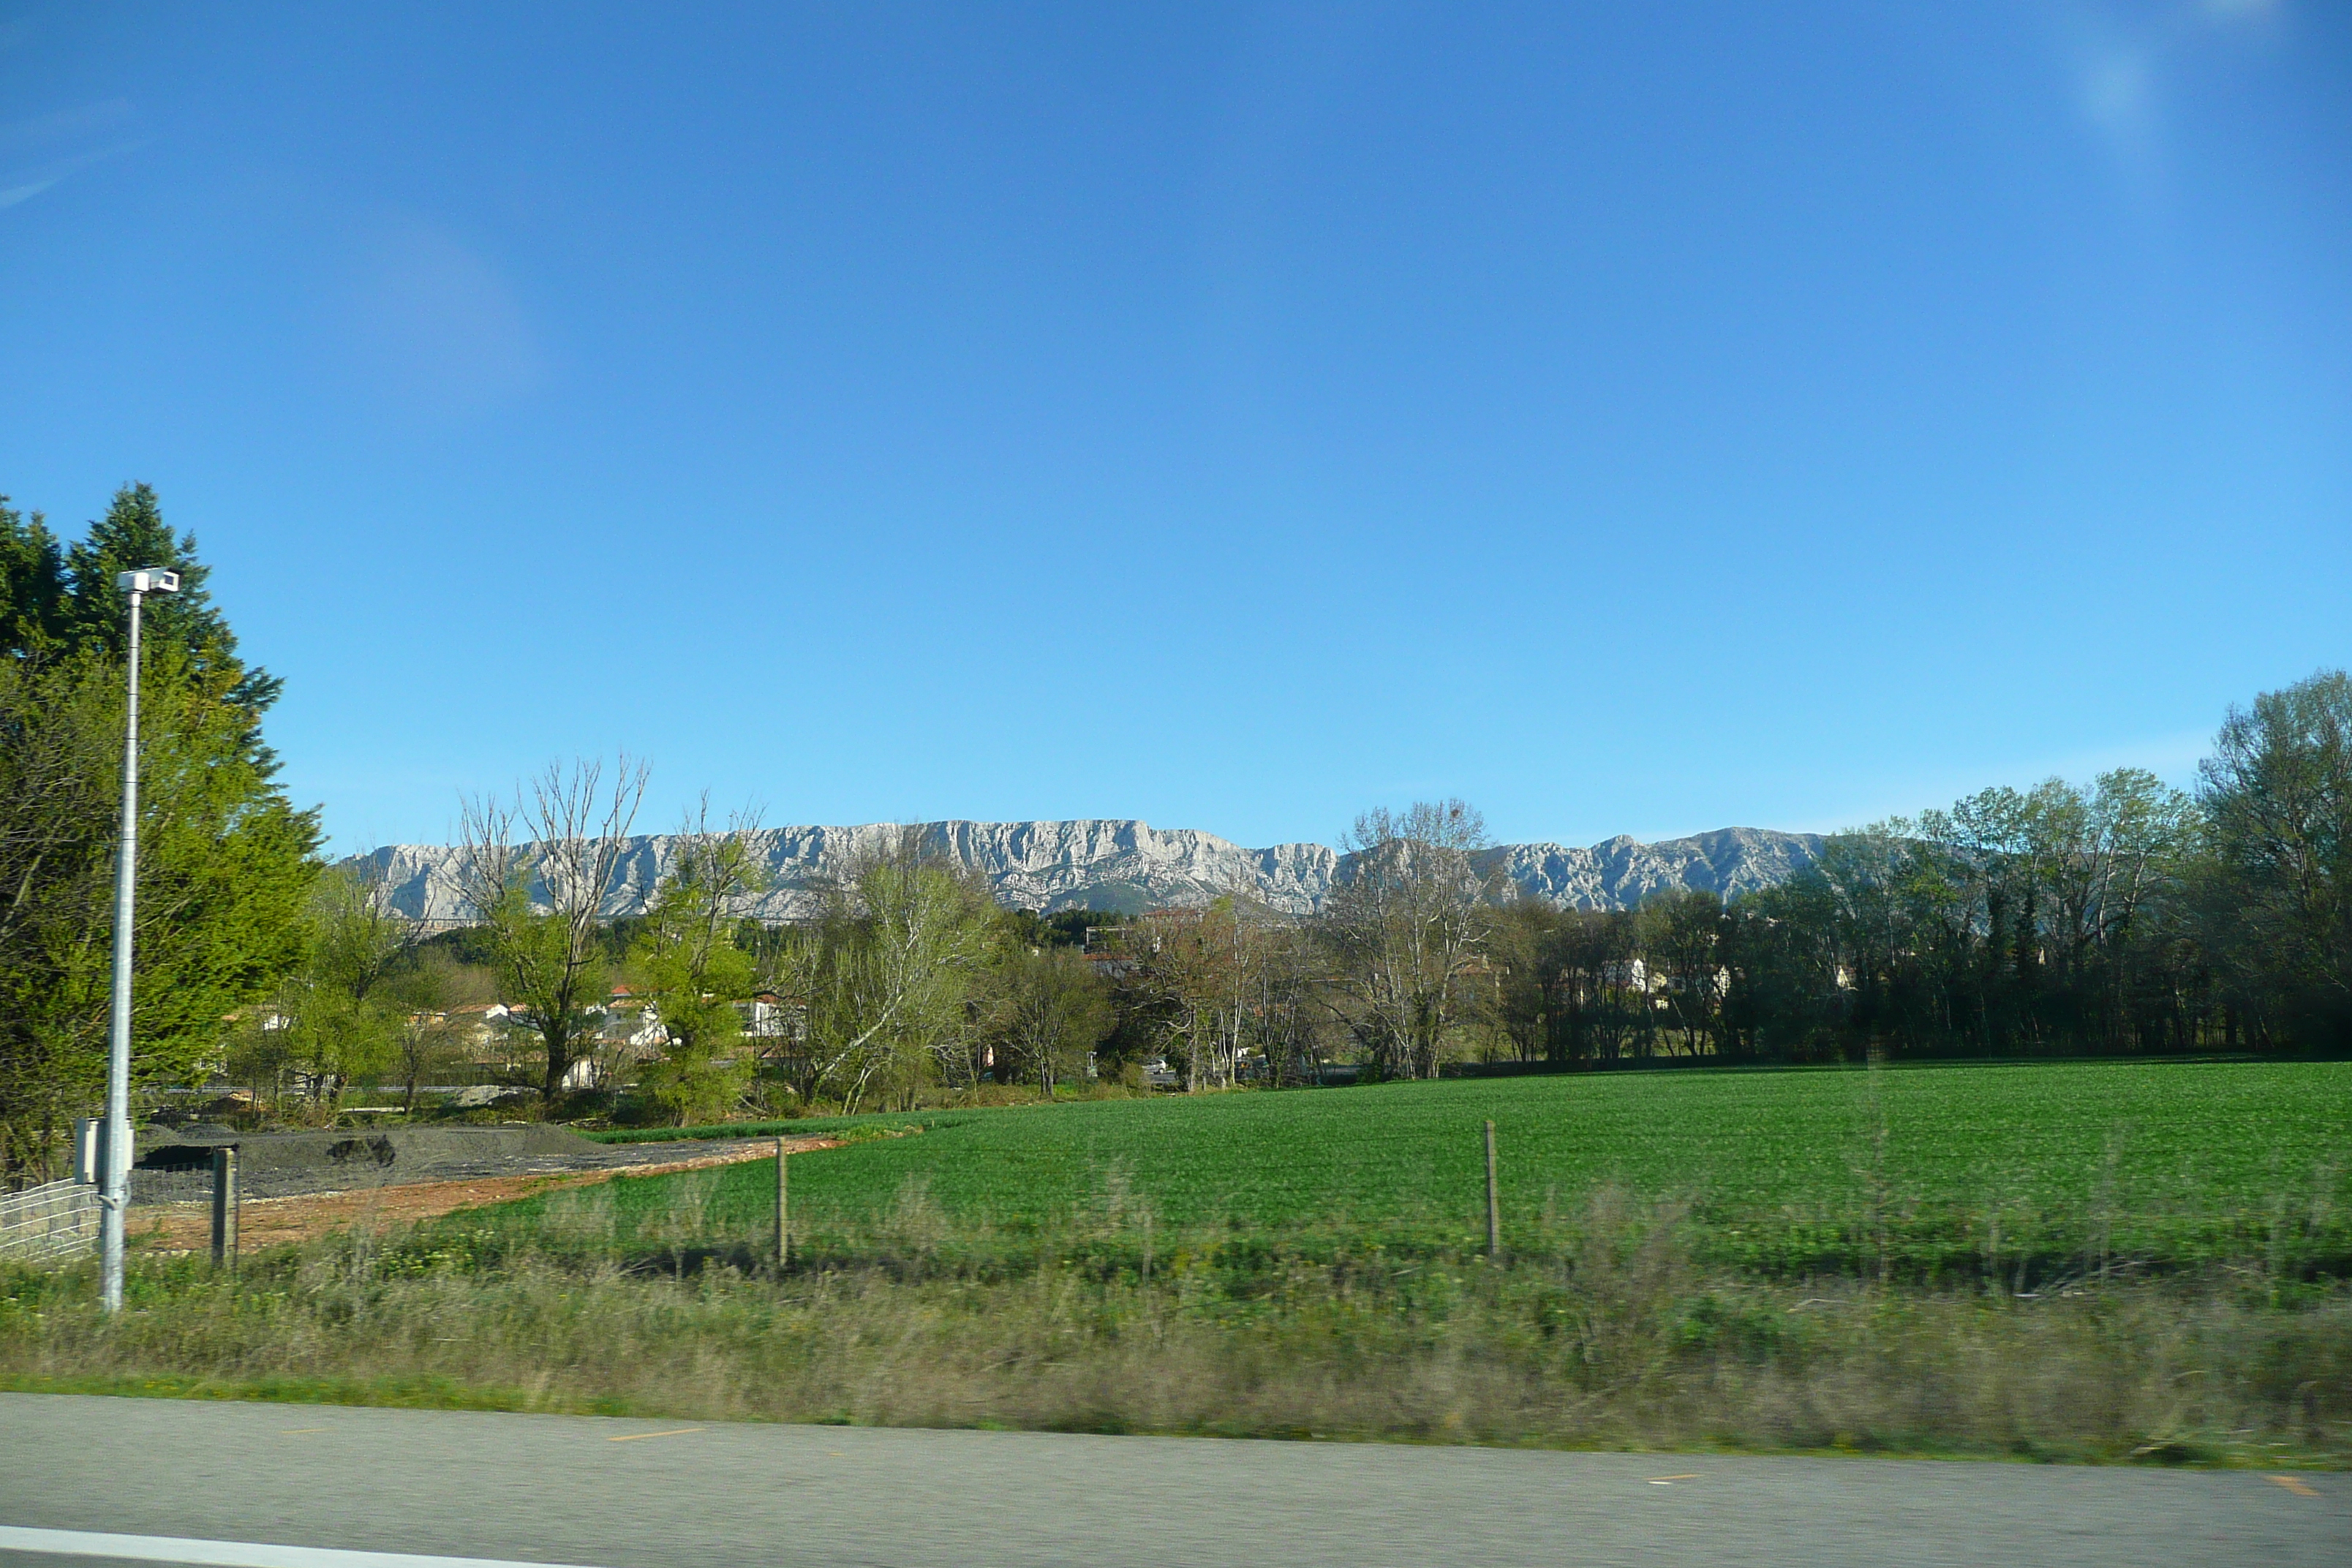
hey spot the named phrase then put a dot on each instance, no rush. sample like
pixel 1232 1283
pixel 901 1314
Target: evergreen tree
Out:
pixel 225 862
pixel 32 585
pixel 130 535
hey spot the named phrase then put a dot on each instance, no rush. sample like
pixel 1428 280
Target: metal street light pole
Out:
pixel 114 1167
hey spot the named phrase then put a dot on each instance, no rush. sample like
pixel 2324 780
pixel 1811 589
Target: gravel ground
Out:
pixel 291 1165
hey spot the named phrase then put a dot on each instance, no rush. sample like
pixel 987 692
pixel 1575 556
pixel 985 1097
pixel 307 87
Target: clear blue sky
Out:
pixel 1631 418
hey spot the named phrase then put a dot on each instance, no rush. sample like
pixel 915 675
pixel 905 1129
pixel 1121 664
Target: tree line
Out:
pixel 2121 918
pixel 2124 916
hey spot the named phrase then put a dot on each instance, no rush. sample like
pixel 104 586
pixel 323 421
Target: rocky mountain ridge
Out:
pixel 1110 864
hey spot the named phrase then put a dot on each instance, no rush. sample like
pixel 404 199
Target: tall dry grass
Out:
pixel 1613 1334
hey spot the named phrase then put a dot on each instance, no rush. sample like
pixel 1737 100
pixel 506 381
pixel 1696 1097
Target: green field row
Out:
pixel 1930 1167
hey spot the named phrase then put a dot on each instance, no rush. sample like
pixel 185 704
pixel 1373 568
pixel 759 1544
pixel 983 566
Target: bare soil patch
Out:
pixel 268 1221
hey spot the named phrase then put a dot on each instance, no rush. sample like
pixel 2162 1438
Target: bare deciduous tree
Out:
pixel 538 871
pixel 1189 970
pixel 1682 937
pixel 1405 927
pixel 431 1040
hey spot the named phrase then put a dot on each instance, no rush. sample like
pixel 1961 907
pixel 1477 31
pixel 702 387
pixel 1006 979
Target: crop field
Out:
pixel 1922 1171
pixel 2063 1260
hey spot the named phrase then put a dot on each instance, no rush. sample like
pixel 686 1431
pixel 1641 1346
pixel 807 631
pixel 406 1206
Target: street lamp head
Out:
pixel 149 580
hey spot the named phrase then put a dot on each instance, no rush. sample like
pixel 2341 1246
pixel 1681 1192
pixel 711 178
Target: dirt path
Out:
pixel 267 1222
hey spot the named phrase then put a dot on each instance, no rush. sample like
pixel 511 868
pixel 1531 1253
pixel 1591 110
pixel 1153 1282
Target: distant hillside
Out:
pixel 1128 866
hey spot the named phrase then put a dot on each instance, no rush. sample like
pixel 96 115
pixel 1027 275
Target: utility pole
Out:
pixel 114 1171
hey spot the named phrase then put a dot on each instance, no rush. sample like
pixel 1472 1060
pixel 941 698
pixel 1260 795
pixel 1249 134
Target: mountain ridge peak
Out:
pixel 1125 864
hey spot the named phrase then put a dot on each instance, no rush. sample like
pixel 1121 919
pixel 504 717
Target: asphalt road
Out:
pixel 640 1494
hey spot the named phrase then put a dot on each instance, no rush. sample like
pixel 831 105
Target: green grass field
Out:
pixel 1907 1259
pixel 1924 1170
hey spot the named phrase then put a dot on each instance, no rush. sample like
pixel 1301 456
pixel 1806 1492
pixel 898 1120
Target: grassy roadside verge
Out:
pixel 1615 1335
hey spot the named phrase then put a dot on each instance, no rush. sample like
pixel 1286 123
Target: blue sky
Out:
pixel 1635 419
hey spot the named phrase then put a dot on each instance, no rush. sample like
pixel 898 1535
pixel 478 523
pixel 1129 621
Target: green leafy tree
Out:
pixel 2277 887
pixel 1788 993
pixel 335 1020
pixel 888 978
pixel 1051 1010
pixel 225 862
pixel 686 958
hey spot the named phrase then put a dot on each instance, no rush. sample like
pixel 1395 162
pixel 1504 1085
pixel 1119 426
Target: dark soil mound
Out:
pixel 270 1163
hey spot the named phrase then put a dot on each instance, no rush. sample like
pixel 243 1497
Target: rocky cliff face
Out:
pixel 1620 872
pixel 1130 867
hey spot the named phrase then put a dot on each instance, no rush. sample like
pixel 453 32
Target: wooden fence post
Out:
pixel 784 1214
pixel 225 1202
pixel 1494 1203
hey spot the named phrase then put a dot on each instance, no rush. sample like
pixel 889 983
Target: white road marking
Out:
pixel 228 1554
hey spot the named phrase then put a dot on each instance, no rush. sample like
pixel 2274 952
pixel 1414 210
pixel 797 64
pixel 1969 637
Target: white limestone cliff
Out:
pixel 1108 864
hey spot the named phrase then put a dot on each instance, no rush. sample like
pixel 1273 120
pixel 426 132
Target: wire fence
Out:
pixel 57 1220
